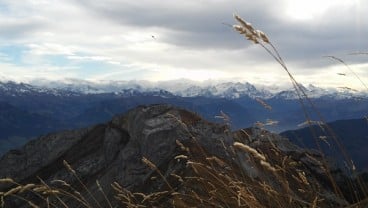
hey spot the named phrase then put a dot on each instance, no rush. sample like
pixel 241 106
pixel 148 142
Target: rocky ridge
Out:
pixel 181 145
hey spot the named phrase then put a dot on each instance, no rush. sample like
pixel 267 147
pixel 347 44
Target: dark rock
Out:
pixel 113 152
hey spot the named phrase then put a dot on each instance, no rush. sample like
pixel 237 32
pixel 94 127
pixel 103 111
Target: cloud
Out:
pixel 189 24
pixel 12 28
pixel 114 37
pixel 197 26
pixel 50 49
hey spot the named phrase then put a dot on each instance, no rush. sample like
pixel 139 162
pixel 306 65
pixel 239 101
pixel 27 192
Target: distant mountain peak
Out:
pixel 182 87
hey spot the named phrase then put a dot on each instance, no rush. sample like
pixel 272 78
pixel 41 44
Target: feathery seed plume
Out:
pixel 249 149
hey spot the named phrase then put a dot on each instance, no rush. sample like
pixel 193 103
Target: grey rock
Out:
pixel 113 152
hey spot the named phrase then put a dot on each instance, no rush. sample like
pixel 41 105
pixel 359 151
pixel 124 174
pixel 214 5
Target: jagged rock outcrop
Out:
pixel 113 152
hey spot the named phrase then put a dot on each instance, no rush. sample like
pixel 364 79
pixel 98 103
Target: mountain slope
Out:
pixel 76 105
pixel 167 156
pixel 352 133
pixel 18 122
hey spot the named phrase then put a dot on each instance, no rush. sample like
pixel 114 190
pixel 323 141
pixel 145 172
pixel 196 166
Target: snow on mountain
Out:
pixel 74 85
pixel 236 90
pixel 185 88
pixel 14 89
pixel 182 87
pixel 224 89
pixel 313 91
pixel 273 89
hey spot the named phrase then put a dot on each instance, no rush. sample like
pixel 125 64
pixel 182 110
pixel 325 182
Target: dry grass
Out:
pixel 209 181
pixel 260 38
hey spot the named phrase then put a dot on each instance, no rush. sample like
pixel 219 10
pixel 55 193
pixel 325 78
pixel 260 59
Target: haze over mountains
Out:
pixel 43 106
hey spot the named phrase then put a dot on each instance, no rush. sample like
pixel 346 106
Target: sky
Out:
pixel 166 39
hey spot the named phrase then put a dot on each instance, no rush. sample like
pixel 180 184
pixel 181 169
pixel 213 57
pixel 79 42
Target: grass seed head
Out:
pixel 177 177
pixel 6 180
pixel 149 163
pixel 181 157
pixel 267 166
pixel 246 29
pixel 182 147
pixel 66 164
pixel 40 189
pixel 263 36
pixel 63 183
pixel 250 150
pixel 217 160
pixel 245 24
pixel 13 191
pixel 303 178
pixel 27 187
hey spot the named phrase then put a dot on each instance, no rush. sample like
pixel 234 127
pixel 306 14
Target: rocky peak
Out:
pixel 181 145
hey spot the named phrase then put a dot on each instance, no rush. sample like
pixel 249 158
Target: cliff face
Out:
pixel 185 151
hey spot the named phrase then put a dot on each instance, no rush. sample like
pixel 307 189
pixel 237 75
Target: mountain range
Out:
pixel 188 88
pixel 43 106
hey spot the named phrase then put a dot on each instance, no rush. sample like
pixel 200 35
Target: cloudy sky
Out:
pixel 168 39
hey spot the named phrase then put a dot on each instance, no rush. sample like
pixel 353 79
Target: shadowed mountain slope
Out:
pixel 190 162
pixel 352 133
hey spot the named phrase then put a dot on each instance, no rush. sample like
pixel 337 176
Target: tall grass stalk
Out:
pixel 260 38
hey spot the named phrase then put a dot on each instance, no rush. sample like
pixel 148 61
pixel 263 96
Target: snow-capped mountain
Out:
pixel 225 90
pixel 182 88
pixel 77 87
pixel 15 89
pixel 313 91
